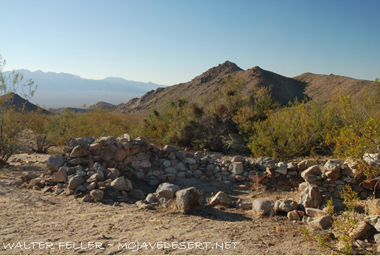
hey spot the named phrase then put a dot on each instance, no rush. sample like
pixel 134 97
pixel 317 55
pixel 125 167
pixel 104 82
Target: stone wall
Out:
pixel 140 160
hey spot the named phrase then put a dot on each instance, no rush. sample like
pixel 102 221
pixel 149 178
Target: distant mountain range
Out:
pixel 57 90
pixel 284 89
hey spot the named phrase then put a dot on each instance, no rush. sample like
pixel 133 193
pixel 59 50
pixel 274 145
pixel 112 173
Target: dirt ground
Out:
pixel 36 223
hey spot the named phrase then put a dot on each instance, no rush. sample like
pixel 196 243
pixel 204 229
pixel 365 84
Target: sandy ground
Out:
pixel 36 223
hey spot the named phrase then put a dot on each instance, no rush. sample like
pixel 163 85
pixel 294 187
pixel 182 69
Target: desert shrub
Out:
pixel 358 130
pixel 344 225
pixel 12 121
pixel 68 124
pixel 297 130
pixel 231 94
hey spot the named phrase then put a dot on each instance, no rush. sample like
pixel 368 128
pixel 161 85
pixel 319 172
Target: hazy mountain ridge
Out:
pixel 284 89
pixel 67 90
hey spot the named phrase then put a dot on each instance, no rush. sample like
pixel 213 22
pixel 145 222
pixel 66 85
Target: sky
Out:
pixel 171 41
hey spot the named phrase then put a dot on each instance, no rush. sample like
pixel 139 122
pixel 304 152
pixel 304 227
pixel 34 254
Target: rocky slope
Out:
pixel 284 89
pixel 17 102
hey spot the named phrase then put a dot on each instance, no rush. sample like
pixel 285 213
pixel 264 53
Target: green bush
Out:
pixel 358 130
pixel 60 127
pixel 297 130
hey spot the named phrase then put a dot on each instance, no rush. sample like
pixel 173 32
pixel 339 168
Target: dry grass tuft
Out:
pixel 372 206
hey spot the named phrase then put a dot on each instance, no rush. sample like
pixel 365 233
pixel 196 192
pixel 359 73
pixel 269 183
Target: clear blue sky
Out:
pixel 172 41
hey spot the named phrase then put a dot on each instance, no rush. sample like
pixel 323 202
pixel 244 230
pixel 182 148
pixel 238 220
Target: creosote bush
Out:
pixel 344 226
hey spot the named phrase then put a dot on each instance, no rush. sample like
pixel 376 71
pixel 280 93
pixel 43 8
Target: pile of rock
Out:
pixel 109 164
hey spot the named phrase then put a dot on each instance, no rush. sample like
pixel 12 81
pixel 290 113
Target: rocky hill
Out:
pixel 284 89
pixel 17 102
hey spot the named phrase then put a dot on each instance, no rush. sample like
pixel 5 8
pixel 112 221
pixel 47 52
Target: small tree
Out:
pixel 12 120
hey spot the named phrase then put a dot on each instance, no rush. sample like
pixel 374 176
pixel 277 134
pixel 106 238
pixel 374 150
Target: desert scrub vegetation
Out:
pixel 96 123
pixel 12 120
pixel 298 129
pixel 344 226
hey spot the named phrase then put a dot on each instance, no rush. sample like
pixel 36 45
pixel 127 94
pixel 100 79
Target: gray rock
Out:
pixel 372 158
pixel 144 164
pixel 263 162
pixel 310 197
pixel 321 223
pixel 163 200
pixel 180 167
pixel 55 161
pixel 198 173
pixel 119 183
pixel 151 198
pixel 188 199
pixel 98 168
pixel 282 168
pixel 79 151
pixel 181 155
pixel 333 165
pixel 81 188
pixel 245 205
pixel 79 161
pixel 293 215
pixel 153 182
pixel 303 165
pixel 210 168
pixel 314 170
pixel 74 182
pixel 125 138
pixel 86 198
pixel 91 186
pixel 136 194
pixel 374 221
pixel 264 207
pixel 362 231
pixel 237 168
pixel 314 212
pixel 170 170
pixel 167 190
pixel 166 163
pixel 29 176
pixel 39 182
pixel 169 149
pixel 221 198
pixel 238 159
pixel 285 205
pixel 189 160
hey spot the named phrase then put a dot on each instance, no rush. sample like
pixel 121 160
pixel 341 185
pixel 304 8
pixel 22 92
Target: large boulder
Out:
pixel 188 199
pixel 264 207
pixel 310 197
pixel 167 190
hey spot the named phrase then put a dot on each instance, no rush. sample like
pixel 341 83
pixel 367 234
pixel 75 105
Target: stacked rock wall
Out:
pixel 141 160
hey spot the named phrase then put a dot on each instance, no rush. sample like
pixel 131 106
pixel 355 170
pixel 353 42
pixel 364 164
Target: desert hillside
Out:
pixel 284 89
